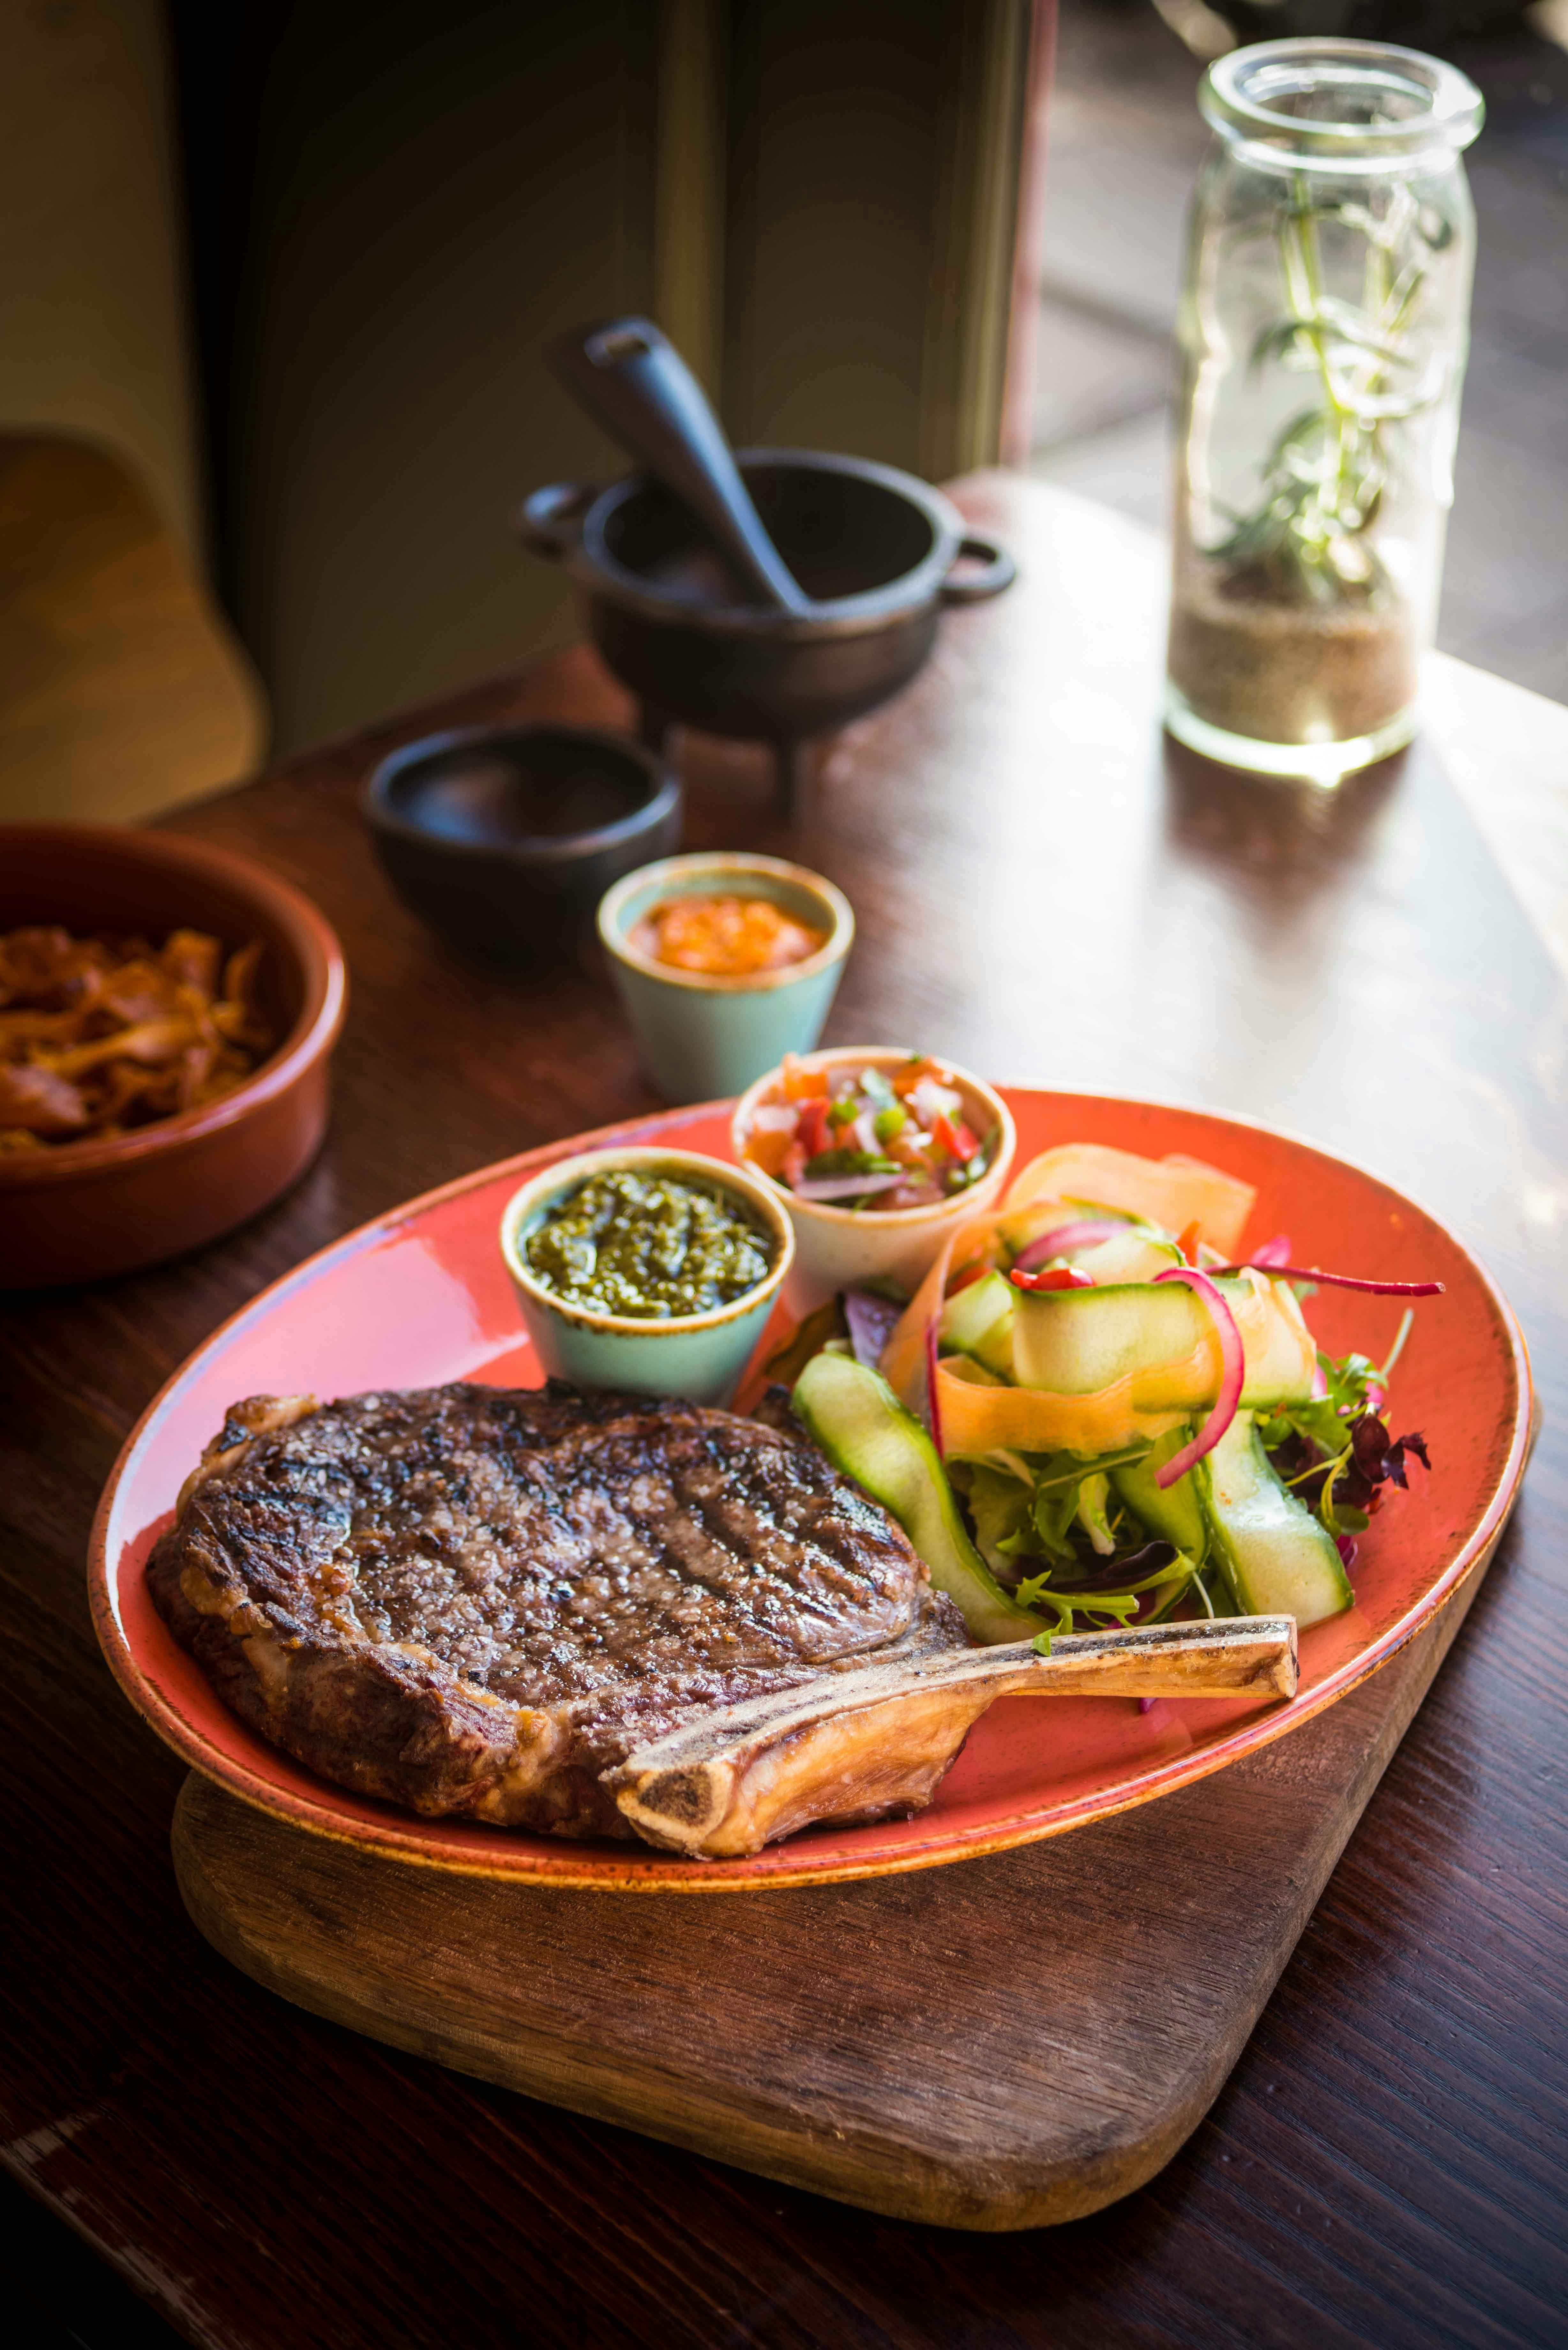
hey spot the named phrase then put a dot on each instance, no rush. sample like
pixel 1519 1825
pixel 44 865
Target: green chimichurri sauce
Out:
pixel 647 1245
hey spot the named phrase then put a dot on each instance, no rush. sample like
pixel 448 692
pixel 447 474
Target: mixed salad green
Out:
pixel 1244 1474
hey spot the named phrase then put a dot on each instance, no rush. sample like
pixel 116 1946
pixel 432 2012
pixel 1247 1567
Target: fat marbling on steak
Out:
pixel 480 1602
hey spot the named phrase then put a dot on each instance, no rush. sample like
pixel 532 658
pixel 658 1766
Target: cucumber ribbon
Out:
pixel 1044 1200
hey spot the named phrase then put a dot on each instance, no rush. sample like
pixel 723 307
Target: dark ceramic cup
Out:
pixel 507 838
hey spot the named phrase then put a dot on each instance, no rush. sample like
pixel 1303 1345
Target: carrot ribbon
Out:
pixel 1053 1188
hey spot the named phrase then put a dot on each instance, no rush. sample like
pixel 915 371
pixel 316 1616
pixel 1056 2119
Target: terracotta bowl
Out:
pixel 80 1211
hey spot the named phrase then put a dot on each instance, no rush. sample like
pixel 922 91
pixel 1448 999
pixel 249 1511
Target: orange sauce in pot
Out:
pixel 725 937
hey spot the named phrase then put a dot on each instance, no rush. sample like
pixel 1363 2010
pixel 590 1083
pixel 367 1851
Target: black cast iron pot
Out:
pixel 878 552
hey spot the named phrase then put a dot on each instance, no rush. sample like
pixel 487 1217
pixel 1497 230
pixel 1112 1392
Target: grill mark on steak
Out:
pixel 476 1601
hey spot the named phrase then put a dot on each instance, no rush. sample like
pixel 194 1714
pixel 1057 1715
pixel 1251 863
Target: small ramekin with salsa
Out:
pixel 879 1151
pixel 725 963
pixel 726 937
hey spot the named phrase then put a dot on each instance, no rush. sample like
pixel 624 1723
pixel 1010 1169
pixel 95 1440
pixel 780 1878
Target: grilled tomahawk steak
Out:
pixel 477 1601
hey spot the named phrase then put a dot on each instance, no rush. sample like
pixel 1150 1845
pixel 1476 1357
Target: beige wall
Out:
pixel 94 338
pixel 874 156
pixel 406 225
pixel 835 136
pixel 425 227
pixel 412 224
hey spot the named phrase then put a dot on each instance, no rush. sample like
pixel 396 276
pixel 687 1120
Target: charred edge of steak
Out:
pixel 378 1720
pixel 396 1720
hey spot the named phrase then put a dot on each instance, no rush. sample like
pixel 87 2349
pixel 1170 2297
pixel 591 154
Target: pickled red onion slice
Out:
pixel 934 1407
pixel 1334 1280
pixel 845 1187
pixel 870 1321
pixel 1271 1252
pixel 1066 1236
pixel 1233 1374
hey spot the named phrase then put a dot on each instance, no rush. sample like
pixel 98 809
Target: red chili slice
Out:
pixel 1059 1277
pixel 814 1131
pixel 952 1138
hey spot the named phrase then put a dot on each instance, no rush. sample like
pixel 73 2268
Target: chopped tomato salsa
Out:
pixel 868 1138
pixel 725 937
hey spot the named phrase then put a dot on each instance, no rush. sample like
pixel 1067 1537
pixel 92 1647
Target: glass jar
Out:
pixel 1320 349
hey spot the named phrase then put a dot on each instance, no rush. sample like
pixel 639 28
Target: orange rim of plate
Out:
pixel 520 1857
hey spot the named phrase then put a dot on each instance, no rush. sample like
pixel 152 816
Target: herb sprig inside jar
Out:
pixel 1320 340
pixel 869 1137
pixel 648 1246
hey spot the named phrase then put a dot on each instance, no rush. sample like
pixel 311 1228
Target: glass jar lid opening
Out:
pixel 1329 102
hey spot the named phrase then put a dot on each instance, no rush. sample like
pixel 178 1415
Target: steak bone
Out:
pixel 859 1743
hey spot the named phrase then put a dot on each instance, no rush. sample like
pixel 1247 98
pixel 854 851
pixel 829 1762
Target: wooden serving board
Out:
pixel 998 2043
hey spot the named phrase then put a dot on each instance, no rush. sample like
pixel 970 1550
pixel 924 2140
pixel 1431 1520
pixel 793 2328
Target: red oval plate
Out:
pixel 420 1296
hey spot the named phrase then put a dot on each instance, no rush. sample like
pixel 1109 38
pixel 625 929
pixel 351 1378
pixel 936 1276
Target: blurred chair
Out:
pixel 122 690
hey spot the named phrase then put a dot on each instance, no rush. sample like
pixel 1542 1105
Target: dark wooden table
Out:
pixel 1048 894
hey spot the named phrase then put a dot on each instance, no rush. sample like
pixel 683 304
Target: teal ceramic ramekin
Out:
pixel 698 1356
pixel 700 1037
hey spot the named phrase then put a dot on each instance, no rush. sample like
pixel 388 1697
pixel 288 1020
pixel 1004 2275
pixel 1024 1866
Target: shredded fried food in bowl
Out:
pixel 98 1036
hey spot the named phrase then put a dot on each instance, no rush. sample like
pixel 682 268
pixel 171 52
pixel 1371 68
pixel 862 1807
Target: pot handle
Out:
pixel 997 571
pixel 550 521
